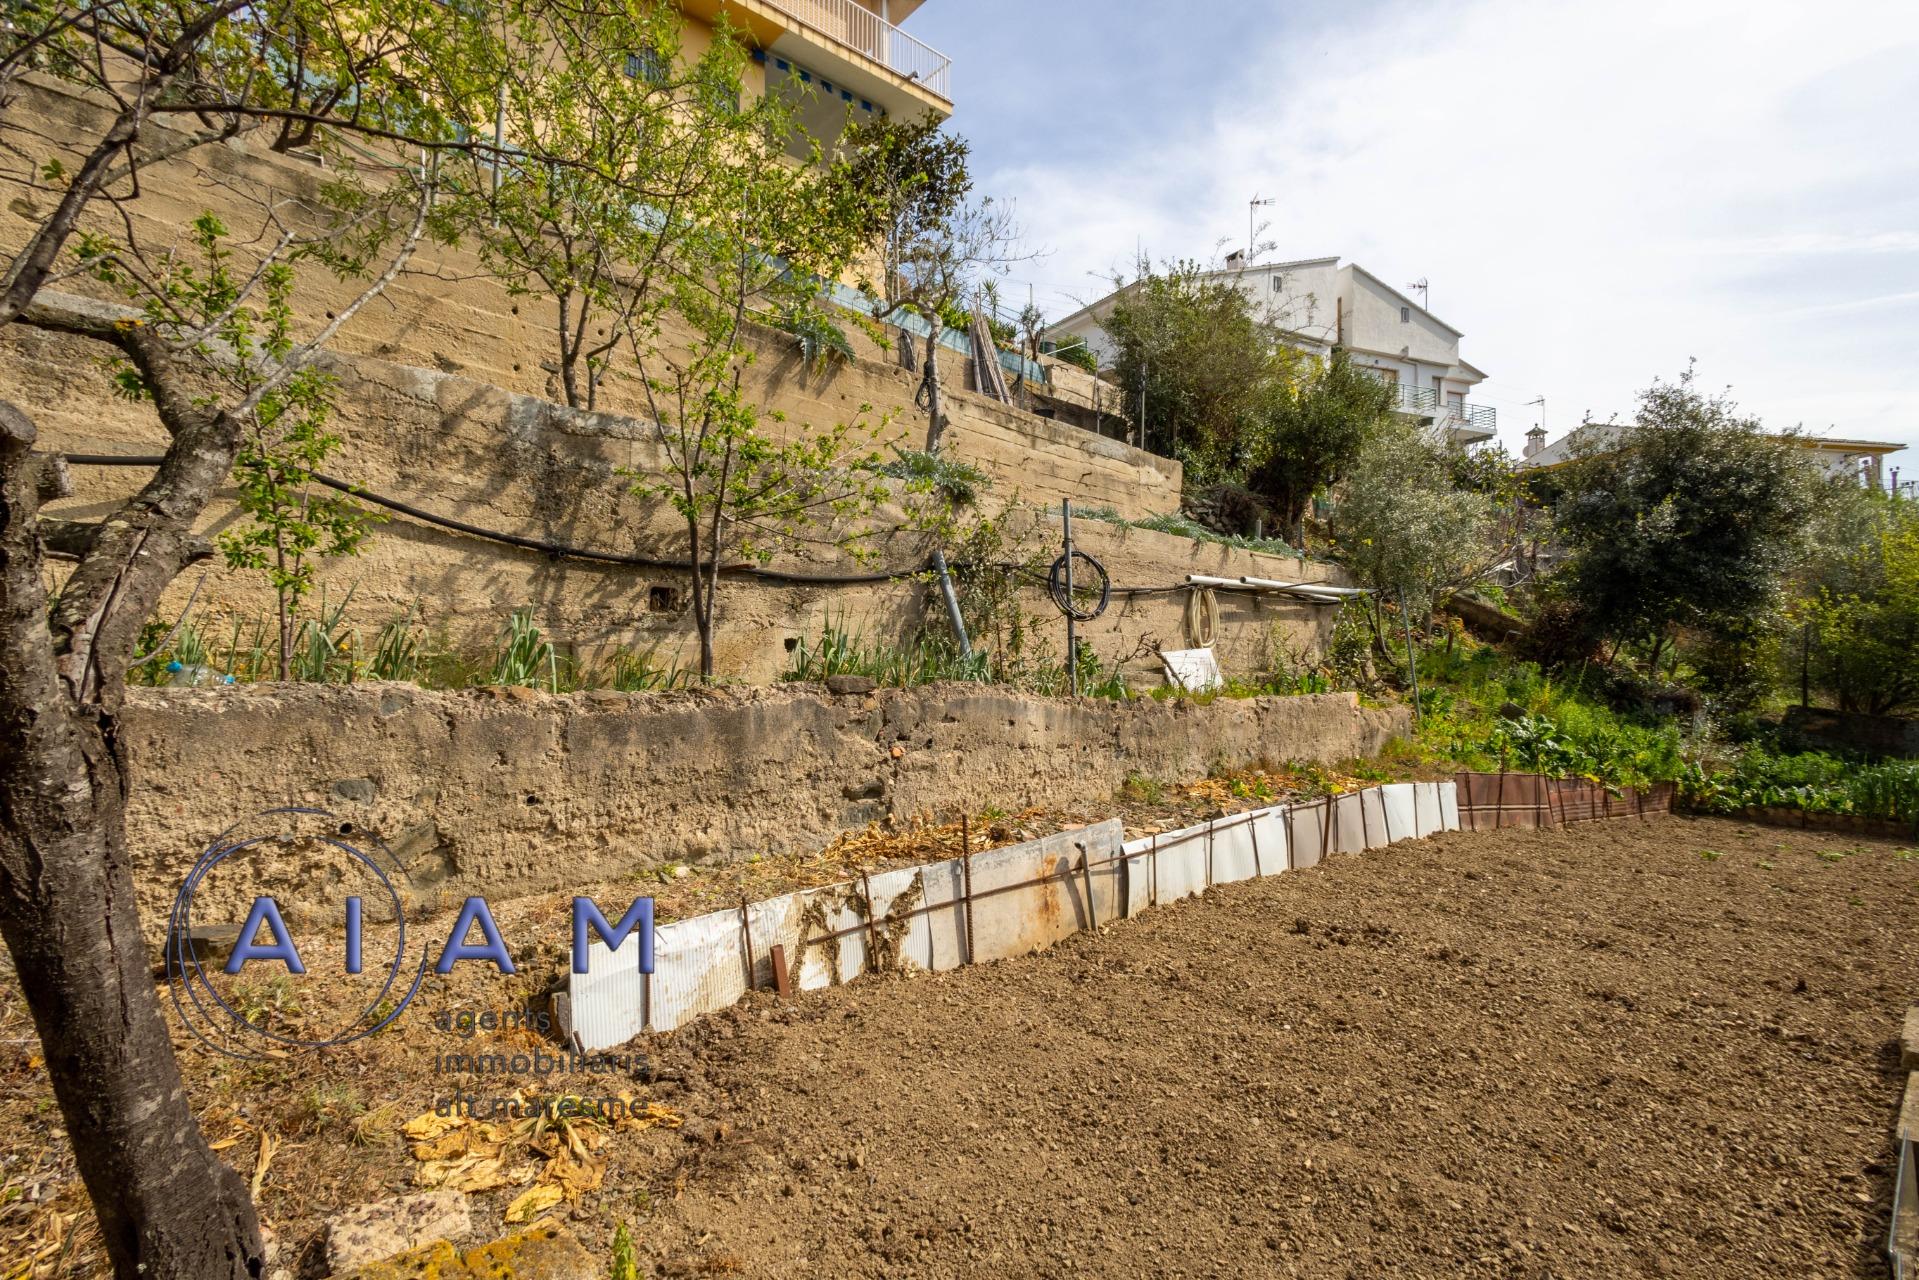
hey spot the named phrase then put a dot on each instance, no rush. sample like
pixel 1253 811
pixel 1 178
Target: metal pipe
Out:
pixel 1072 633
pixel 953 618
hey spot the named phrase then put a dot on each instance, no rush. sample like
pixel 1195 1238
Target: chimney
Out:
pixel 1535 441
pixel 1236 260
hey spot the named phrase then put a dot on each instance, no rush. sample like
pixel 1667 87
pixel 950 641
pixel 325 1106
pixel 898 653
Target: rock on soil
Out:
pixel 541 1252
pixel 377 1231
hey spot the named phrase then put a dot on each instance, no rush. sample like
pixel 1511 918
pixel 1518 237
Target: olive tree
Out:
pixel 1691 517
pixel 1403 526
pixel 385 89
pixel 1861 604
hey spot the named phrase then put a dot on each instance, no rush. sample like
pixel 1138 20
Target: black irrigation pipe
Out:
pixel 556 550
pixel 562 550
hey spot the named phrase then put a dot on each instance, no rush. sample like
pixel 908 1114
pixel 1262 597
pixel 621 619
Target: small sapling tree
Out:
pixel 742 482
pixel 291 522
pixel 631 144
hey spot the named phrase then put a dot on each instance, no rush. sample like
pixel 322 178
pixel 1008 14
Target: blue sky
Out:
pixel 1596 192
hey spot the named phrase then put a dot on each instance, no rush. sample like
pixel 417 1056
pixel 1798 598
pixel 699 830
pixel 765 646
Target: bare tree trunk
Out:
pixel 569 352
pixel 935 421
pixel 1658 651
pixel 168 1208
pixel 285 618
pixel 702 600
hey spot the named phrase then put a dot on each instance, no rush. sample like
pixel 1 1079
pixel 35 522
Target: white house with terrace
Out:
pixel 1315 304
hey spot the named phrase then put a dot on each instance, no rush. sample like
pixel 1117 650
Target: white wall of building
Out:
pixel 1317 304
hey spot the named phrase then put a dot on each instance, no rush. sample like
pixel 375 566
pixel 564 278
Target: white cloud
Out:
pixel 1597 192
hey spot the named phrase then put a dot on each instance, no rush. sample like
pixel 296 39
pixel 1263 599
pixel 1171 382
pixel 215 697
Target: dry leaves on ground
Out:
pixel 553 1146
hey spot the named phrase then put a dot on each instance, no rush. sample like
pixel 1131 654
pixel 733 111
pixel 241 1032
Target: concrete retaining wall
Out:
pixel 445 402
pixel 508 791
pixel 520 465
pixel 446 313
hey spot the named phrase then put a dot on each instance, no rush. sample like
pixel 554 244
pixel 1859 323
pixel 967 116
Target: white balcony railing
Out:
pixel 866 33
pixel 1424 402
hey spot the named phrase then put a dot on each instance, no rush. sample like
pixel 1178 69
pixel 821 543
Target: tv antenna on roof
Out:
pixel 1253 207
pixel 1424 292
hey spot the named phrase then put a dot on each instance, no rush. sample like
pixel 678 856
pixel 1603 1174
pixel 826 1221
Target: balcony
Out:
pixel 1469 423
pixel 1408 398
pixel 859 29
pixel 1466 422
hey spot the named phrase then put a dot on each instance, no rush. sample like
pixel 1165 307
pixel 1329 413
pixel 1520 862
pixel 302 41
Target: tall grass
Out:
pixel 327 649
pixel 840 651
pixel 525 657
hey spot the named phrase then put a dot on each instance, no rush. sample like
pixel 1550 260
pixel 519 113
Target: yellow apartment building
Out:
pixel 841 58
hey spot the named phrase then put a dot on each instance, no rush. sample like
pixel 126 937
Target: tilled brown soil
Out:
pixel 1660 1049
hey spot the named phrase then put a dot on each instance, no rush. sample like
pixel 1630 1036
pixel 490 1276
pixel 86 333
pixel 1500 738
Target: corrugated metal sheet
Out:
pixel 1024 897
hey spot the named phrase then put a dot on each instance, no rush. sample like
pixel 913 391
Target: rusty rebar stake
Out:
pixel 966 882
pixel 782 981
pixel 752 962
pixel 872 934
pixel 1086 874
pixel 1258 869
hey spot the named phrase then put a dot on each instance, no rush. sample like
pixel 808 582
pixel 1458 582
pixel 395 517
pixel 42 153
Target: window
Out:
pixel 1279 283
pixel 1405 315
pixel 646 65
